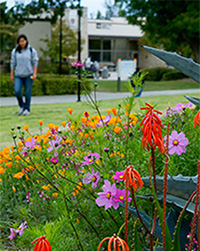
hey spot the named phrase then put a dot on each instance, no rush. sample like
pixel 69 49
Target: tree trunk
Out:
pixel 195 49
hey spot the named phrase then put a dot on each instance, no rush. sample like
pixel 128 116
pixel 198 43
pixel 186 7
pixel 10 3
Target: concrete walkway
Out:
pixel 36 100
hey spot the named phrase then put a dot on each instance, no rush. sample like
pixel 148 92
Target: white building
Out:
pixel 104 40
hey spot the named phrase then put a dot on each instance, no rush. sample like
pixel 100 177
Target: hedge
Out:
pixel 45 84
pixel 161 73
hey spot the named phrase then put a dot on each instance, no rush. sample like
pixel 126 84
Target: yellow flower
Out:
pixel 19 175
pixel 47 188
pixel 55 195
pixel 51 126
pixel 40 122
pixel 26 128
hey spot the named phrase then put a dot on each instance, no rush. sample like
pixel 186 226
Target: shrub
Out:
pixel 155 74
pixel 173 75
pixel 45 84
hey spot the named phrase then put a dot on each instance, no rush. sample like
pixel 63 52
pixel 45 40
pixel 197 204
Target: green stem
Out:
pixel 165 187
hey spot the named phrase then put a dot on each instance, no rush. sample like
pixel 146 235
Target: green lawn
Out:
pixel 111 86
pixel 56 113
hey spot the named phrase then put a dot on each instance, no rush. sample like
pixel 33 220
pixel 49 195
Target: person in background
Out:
pixel 88 64
pixel 96 69
pixel 23 65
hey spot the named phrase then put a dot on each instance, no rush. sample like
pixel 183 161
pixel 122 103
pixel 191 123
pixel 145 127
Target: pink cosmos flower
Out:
pixel 78 63
pixel 21 228
pixel 106 198
pixel 54 144
pixel 90 158
pixel 179 107
pixel 13 232
pixel 120 195
pixel 92 177
pixel 177 143
pixel 54 160
pixel 118 176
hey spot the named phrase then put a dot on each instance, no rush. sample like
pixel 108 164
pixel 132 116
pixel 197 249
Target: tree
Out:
pixel 99 16
pixel 172 24
pixel 112 9
pixel 8 32
pixel 69 43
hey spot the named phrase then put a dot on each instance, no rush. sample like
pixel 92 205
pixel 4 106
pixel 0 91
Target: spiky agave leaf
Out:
pixel 186 65
pixel 195 101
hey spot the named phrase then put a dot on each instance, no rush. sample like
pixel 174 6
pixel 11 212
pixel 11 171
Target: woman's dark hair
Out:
pixel 19 47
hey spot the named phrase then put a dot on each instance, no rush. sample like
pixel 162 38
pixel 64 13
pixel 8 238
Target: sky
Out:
pixel 93 5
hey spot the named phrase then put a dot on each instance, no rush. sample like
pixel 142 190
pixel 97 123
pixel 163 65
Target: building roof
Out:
pixel 115 27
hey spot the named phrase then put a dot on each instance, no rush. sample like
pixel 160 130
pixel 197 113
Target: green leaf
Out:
pixel 168 238
pixel 137 245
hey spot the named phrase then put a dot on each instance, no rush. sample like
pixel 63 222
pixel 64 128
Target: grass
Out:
pixel 111 86
pixel 56 113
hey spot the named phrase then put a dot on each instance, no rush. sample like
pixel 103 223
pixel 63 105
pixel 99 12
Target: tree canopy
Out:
pixel 174 25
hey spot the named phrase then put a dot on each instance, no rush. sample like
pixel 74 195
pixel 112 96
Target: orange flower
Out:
pixel 70 110
pixel 2 170
pixel 42 244
pixel 114 111
pixel 63 123
pixel 152 132
pixel 26 128
pixel 19 175
pixel 134 178
pixel 40 122
pixel 117 243
pixel 117 129
pixel 108 111
pixel 55 195
pixel 196 120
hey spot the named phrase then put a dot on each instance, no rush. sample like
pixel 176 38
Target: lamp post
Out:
pixel 60 60
pixel 79 50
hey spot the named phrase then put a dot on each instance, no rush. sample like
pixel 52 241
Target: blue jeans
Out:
pixel 27 83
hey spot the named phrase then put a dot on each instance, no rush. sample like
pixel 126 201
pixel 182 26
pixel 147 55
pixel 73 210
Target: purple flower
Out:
pixel 21 228
pixel 54 160
pixel 177 143
pixel 121 195
pixel 118 176
pixel 179 107
pixel 106 198
pixel 168 113
pixel 54 144
pixel 106 149
pixel 105 121
pixel 92 177
pixel 13 233
pixel 90 158
pixel 28 146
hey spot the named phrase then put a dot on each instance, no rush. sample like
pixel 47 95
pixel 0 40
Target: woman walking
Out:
pixel 23 64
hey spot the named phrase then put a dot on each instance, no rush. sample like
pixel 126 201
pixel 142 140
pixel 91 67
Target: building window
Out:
pixel 95 55
pixel 98 25
pixel 106 44
pixel 94 44
pixel 107 56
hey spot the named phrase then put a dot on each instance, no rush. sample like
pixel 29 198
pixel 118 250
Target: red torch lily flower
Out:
pixel 196 120
pixel 152 132
pixel 117 242
pixel 42 244
pixel 134 178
